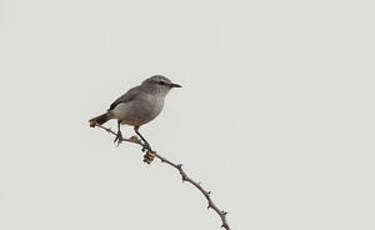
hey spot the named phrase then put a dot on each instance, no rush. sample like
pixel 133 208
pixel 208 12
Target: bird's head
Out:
pixel 160 84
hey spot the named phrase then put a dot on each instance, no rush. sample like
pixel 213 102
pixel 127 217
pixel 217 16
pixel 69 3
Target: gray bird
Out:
pixel 138 106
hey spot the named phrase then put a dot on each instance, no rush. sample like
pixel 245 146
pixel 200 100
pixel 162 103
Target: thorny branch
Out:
pixel 185 178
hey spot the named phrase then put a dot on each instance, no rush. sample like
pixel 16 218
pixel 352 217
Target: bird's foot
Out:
pixel 146 146
pixel 118 138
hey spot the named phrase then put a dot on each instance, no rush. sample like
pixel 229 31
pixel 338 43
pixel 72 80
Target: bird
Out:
pixel 138 106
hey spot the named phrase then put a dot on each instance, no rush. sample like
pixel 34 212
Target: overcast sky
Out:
pixel 276 114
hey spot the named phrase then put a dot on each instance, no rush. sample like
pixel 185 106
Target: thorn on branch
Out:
pixel 179 166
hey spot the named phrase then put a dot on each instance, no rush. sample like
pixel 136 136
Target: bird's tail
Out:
pixel 99 120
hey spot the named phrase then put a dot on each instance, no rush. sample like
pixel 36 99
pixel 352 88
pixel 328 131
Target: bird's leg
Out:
pixel 118 138
pixel 147 145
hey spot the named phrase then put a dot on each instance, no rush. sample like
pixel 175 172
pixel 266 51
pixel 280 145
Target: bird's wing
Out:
pixel 128 96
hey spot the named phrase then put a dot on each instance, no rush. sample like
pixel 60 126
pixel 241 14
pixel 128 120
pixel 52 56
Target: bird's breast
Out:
pixel 154 105
pixel 140 111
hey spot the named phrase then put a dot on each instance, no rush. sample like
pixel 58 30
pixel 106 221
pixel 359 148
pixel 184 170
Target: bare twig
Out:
pixel 207 194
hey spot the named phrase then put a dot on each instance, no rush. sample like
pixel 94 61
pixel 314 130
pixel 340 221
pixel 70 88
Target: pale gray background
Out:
pixel 276 115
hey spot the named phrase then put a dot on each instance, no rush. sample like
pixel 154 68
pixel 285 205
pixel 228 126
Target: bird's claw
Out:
pixel 118 138
pixel 145 147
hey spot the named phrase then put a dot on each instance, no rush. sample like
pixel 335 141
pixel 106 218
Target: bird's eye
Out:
pixel 161 83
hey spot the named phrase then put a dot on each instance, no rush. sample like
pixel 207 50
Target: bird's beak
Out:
pixel 175 85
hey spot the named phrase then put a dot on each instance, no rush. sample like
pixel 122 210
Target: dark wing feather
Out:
pixel 128 96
